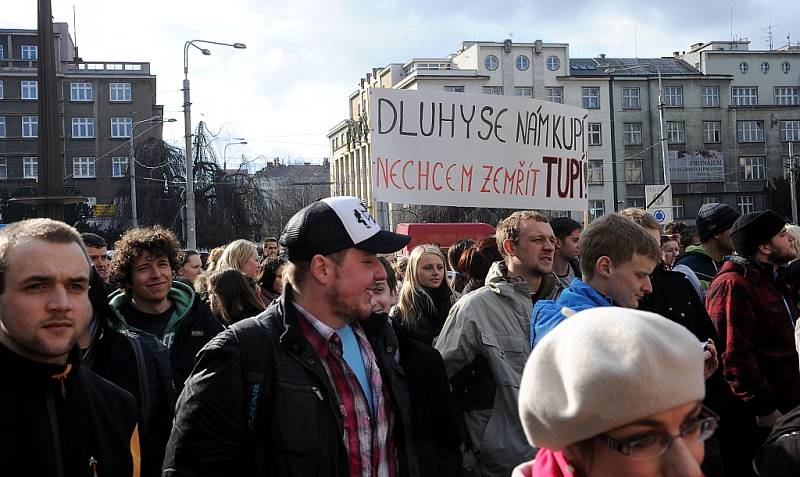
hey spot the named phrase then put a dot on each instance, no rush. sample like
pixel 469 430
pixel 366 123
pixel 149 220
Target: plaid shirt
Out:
pixel 368 433
pixel 755 315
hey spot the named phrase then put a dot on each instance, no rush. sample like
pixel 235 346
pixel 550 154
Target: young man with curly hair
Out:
pixel 149 300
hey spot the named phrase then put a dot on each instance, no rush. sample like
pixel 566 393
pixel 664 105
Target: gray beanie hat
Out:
pixel 715 218
pixel 604 368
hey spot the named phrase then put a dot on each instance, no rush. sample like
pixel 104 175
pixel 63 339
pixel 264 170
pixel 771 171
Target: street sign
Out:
pixel 659 202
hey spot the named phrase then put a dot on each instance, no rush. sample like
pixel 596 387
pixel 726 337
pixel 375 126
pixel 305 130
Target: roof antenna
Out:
pixel 635 43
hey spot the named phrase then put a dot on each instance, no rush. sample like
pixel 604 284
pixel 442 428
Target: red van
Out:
pixel 442 234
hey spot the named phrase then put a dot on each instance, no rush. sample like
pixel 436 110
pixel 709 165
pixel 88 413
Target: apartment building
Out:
pixel 98 104
pixel 728 114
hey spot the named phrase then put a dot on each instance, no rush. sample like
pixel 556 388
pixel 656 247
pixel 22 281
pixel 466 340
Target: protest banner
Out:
pixel 477 150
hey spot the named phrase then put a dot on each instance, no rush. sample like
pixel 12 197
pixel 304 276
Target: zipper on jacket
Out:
pixel 317 392
pixel 93 466
pixel 51 414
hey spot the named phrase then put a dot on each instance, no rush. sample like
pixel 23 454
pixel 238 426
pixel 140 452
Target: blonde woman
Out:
pixel 425 297
pixel 240 255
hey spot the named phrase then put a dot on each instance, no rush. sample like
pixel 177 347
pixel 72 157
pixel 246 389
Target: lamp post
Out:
pixel 224 154
pixel 132 165
pixel 191 237
pixel 660 112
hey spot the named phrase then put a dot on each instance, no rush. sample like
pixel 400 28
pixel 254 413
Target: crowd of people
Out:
pixel 624 348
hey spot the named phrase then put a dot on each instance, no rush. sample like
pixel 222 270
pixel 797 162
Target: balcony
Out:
pixel 105 68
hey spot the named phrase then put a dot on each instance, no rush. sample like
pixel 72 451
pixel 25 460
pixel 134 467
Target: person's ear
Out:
pixel 557 243
pixel 604 266
pixel 508 247
pixel 321 269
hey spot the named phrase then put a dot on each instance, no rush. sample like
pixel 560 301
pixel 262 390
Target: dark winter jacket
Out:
pixel 192 325
pixel 755 317
pixel 64 420
pixel 696 259
pixel 429 325
pixel 301 425
pixel 434 420
pixel 139 363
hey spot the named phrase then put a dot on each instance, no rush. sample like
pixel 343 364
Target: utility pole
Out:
pixel 793 182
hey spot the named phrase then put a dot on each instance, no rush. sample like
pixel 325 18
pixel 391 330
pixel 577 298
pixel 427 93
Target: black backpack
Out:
pixel 257 361
pixel 779 456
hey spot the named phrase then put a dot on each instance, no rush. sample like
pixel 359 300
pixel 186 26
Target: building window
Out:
pixel 673 96
pixel 553 63
pixel 712 132
pixel 750 131
pixel 522 62
pixel 745 204
pixel 787 95
pixel 633 171
pixel 752 169
pixel 525 91
pixel 676 132
pixel 596 209
pixel 2 52
pixel 119 166
pixel 2 126
pixel 591 97
pixel 744 96
pixel 710 96
pixel 82 128
pixel 121 127
pixel 677 208
pixel 786 67
pixel 30 126
pixel 83 167
pixel 632 133
pixel 710 199
pixel 80 91
pixel 491 63
pixel 30 168
pixel 3 168
pixel 595 135
pixel 764 67
pixel 743 67
pixel 29 52
pixel 790 131
pixel 635 202
pixel 120 91
pixel 454 89
pixel 630 98
pixel 29 89
pixel 555 94
pixel 496 90
pixel 1 87
pixel 595 171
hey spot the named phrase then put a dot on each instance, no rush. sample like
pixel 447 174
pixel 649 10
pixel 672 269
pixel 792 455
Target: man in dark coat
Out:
pixel 58 418
pixel 334 400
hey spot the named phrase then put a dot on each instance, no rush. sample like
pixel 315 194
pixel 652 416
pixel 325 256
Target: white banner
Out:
pixel 696 166
pixel 477 150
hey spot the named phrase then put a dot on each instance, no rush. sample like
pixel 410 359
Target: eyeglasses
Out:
pixel 652 444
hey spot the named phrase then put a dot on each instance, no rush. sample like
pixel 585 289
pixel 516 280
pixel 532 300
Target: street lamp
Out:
pixel 132 165
pixel 224 152
pixel 191 237
pixel 608 69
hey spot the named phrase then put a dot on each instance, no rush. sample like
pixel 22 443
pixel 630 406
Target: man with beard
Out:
pixel 312 385
pixel 751 305
pixel 484 343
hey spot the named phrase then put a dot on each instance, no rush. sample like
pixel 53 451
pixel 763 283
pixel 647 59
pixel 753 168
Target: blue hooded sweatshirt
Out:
pixel 547 313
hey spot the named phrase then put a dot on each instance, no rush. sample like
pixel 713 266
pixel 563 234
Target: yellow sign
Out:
pixel 104 210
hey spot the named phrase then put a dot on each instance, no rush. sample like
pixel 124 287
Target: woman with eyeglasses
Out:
pixel 615 392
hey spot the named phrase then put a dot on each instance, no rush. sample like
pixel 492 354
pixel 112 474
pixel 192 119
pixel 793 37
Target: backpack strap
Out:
pixel 257 363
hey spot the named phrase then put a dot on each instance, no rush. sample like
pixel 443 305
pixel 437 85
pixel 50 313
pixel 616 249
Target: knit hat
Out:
pixel 715 218
pixel 603 368
pixel 751 230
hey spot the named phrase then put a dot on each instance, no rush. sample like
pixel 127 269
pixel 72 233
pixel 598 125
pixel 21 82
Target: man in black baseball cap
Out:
pixel 333 400
pixel 754 310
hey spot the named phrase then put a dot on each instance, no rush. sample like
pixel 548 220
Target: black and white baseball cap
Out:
pixel 333 224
